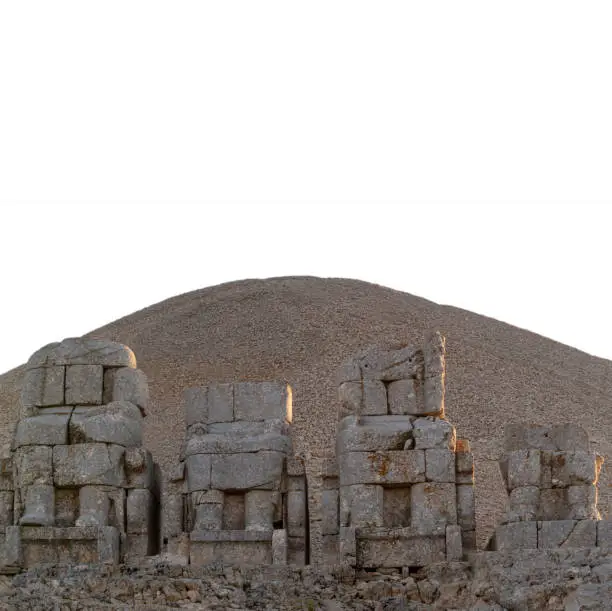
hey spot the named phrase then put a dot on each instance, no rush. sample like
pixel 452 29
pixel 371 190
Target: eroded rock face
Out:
pixel 82 409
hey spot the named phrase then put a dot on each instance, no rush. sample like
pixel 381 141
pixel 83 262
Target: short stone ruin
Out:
pixel 406 484
pixel 233 497
pixel 551 475
pixel 78 486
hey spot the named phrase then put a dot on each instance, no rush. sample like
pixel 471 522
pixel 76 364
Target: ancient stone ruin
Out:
pixel 78 486
pixel 551 475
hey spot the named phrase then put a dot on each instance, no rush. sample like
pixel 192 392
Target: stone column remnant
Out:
pixel 551 475
pixel 406 495
pixel 82 486
pixel 238 495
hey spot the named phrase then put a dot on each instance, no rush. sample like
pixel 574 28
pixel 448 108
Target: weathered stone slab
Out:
pixel 433 391
pixel 552 438
pixel 553 504
pixel 236 553
pixel 582 501
pixel 296 512
pixel 236 444
pixel 139 468
pixel 396 506
pixel 6 508
pixel 574 468
pixel 374 436
pixel 262 401
pixel 274 426
pixel 378 363
pixel 439 465
pixel 397 551
pixel 94 506
pixel 244 471
pixel 209 404
pixel 347 545
pixel 198 467
pixel 33 465
pixel 140 511
pixel 258 510
pixel 43 387
pixel 523 504
pixel 119 423
pixel 39 505
pixel 329 513
pixel 389 467
pixel 402 398
pixel 84 351
pixel 45 429
pixel 433 507
pixel 365 505
pixel 604 533
pixel 523 468
pixel 279 547
pixel 40 357
pixel 430 433
pixel 466 508
pixel 126 384
pixel 464 463
pixel 88 463
pixel 516 536
pixel 454 543
pixel 567 533
pixel 366 397
pixel 84 384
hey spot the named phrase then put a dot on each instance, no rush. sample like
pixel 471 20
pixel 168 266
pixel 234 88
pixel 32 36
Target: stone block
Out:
pixel 172 515
pixel 464 463
pixel 434 433
pixel 232 443
pixel 118 423
pixel 390 467
pixel 33 465
pixel 523 468
pixel 366 397
pixel 139 468
pixel 434 355
pixel 94 506
pixel 85 351
pixel 126 384
pixel 109 546
pixel 296 511
pixel 402 398
pixel 347 545
pixel 40 358
pixel 396 506
pixel 466 508
pixel 574 468
pixel 433 390
pixel 140 511
pixel 374 435
pixel 567 533
pixel 43 387
pixel 395 551
pixel 433 506
pixel 546 469
pixel 138 547
pixel 469 540
pixel 329 513
pixel 454 543
pixel 604 533
pixel 39 505
pixel 279 547
pixel 6 508
pixel 209 404
pixel 582 501
pixel 198 472
pixel 439 466
pixel 553 504
pixel 262 401
pixel 245 471
pixel 66 506
pixel 523 504
pixel 88 464
pixel 516 536
pixel 378 363
pixel 48 430
pixel 551 438
pixel 208 516
pixel 366 504
pixel 84 384
pixel 273 426
pixel 11 553
pixel 258 510
pixel 234 511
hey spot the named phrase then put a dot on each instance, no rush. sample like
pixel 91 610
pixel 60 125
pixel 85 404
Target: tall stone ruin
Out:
pixel 78 485
pixel 238 495
pixel 551 476
pixel 406 486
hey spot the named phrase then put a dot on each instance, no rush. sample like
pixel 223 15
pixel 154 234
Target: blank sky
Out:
pixel 71 268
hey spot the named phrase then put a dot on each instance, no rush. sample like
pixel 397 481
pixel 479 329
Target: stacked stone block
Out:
pixel 551 476
pixel 83 486
pixel 406 495
pixel 228 500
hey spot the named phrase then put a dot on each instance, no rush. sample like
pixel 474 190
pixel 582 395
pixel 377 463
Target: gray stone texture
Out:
pixel 83 351
pixel 394 550
pixel 84 384
pixel 46 429
pixel 551 438
pixel 258 510
pixel 88 464
pixel 523 468
pixel 43 387
pixel 373 434
pixel 433 507
pixel 430 433
pixel 523 504
pixel 439 466
pixel 402 398
pixel 389 467
pixel 366 505
pixel 94 504
pixel 140 511
pixel 574 468
pixel 365 397
pixel 262 401
pixel 466 508
pixel 117 423
pixel 126 384
pixel 516 536
pixel 209 404
pixel 454 543
pixel 245 471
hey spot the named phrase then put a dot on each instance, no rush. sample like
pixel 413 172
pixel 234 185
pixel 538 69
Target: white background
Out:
pixel 295 107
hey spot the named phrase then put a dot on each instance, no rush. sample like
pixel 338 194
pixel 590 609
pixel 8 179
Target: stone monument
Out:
pixel 78 486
